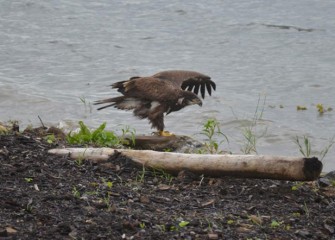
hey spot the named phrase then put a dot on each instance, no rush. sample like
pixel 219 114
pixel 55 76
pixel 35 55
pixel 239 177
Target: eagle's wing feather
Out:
pixel 190 80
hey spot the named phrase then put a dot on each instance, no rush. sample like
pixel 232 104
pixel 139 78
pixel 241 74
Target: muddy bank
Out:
pixel 44 196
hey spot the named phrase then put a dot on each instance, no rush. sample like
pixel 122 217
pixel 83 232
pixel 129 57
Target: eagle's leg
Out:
pixel 156 117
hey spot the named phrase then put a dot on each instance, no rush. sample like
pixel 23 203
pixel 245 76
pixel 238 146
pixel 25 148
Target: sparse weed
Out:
pixel 275 224
pixel 29 207
pixel 305 147
pixel 141 174
pixel 324 152
pixel 50 138
pixel 230 222
pixel 124 139
pixel 183 224
pixel 75 192
pixel 306 209
pixel 250 132
pixel 296 186
pixel 163 175
pixel 28 179
pixel 142 225
pixel 108 184
pixel 79 161
pixel 107 201
pixel 87 105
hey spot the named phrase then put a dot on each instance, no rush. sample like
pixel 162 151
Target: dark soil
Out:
pixel 44 196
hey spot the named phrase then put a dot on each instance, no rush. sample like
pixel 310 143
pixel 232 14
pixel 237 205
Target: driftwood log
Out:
pixel 245 166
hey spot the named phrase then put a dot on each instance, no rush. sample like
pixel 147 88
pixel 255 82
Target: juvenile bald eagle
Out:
pixel 164 92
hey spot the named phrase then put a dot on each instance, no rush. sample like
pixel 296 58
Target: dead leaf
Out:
pixel 208 203
pixel 255 219
pixel 164 187
pixel 11 230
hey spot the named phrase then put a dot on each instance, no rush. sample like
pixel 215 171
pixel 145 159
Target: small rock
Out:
pixel 303 233
pixel 329 228
pixel 327 180
pixel 213 236
pixel 255 219
pixel 144 199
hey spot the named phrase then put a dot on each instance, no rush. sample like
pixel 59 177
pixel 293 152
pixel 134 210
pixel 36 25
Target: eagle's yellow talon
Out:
pixel 165 134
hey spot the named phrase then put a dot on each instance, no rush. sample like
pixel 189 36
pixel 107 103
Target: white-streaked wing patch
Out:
pixel 129 103
pixel 154 104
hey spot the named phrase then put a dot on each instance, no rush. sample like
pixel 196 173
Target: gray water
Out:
pixel 52 53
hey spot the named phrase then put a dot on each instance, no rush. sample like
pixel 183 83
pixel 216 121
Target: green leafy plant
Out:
pixel 108 184
pixel 75 192
pixel 101 137
pixel 50 138
pixel 28 179
pixel 275 224
pixel 98 137
pixel 296 186
pixel 125 132
pixel 211 130
pixel 183 224
pixel 142 225
pixel 230 222
pixel 107 201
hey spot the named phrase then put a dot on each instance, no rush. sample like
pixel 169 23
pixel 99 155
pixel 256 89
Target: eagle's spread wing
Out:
pixel 188 80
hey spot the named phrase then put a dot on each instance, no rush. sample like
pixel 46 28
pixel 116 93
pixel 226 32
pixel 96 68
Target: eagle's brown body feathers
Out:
pixel 164 92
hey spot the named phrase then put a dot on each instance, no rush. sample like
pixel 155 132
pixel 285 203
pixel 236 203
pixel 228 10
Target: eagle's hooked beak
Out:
pixel 196 101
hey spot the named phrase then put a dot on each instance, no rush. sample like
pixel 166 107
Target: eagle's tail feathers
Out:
pixel 109 105
pixel 108 100
pixel 120 103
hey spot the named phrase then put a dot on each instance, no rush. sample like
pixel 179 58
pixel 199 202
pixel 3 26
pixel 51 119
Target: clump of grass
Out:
pixel 100 137
pixel 163 175
pixel 305 146
pixel 211 130
pixel 250 132
pixel 140 176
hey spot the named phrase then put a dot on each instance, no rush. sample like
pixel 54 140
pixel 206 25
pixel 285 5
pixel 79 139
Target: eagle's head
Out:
pixel 189 98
